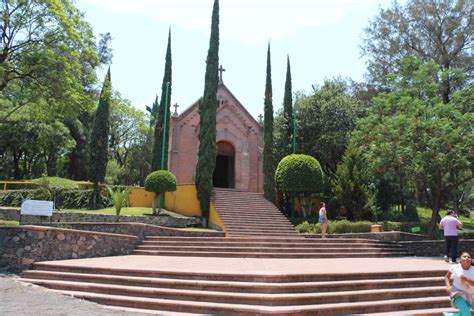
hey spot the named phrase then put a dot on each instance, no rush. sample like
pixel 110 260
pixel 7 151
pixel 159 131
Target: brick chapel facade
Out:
pixel 239 140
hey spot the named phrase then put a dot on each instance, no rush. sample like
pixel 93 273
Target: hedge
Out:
pixel 67 199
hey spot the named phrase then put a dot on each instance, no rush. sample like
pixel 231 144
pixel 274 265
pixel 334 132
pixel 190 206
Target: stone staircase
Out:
pixel 246 294
pixel 250 214
pixel 256 229
pixel 268 247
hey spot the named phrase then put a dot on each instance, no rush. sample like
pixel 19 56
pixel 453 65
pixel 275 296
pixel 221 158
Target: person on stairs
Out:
pixel 449 224
pixel 461 291
pixel 323 219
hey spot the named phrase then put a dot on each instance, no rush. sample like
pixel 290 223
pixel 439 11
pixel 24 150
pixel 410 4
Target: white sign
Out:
pixel 35 207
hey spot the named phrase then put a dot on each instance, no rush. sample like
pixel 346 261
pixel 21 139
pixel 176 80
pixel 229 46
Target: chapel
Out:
pixel 239 140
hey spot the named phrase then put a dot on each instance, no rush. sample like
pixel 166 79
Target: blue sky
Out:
pixel 321 38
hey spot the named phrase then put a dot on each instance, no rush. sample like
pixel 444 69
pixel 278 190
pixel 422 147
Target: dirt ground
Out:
pixel 17 298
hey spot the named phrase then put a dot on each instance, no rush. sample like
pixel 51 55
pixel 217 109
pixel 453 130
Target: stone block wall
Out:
pixel 21 246
pixel 58 216
pixel 138 229
pixel 435 248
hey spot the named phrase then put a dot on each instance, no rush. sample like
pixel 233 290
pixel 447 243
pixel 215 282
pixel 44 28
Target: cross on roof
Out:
pixel 221 70
pixel 176 106
pixel 260 117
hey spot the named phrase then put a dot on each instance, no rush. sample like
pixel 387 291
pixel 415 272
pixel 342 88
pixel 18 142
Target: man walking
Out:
pixel 449 224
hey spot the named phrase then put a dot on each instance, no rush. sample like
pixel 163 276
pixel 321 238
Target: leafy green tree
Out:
pixel 268 154
pixel 287 128
pixel 41 42
pixel 325 120
pixel 159 182
pixel 78 129
pixel 55 141
pixel 126 127
pixel 99 140
pixel 160 123
pixel 19 148
pixel 301 175
pixel 350 185
pixel 207 126
pixel 412 136
pixel 440 31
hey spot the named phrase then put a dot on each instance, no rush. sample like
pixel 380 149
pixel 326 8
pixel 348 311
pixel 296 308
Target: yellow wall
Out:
pixel 214 218
pixel 140 198
pixel 183 201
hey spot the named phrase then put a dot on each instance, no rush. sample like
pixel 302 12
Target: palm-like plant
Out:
pixel 119 197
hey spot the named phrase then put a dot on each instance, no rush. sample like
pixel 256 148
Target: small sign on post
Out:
pixel 37 208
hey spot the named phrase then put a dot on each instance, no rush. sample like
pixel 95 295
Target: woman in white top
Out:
pixel 461 291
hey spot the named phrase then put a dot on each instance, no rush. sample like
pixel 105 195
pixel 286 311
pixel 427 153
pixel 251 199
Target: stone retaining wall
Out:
pixel 435 248
pixel 138 229
pixel 21 246
pixel 10 214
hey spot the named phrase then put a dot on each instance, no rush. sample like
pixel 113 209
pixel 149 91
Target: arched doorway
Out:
pixel 223 176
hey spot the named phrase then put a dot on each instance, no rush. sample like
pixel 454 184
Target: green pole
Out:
pixel 294 129
pixel 163 143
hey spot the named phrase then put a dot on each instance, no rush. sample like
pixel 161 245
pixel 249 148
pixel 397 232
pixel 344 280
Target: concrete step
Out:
pixel 244 309
pixel 240 277
pixel 298 238
pixel 235 286
pixel 243 298
pixel 250 254
pixel 207 248
pixel 261 244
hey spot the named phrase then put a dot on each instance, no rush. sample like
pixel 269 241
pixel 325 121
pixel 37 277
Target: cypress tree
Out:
pixel 207 113
pixel 268 156
pixel 159 121
pixel 100 139
pixel 153 112
pixel 288 113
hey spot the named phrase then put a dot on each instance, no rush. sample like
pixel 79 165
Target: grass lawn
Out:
pixel 126 211
pixel 425 214
pixel 3 222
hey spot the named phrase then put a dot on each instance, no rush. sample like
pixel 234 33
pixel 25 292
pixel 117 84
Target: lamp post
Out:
pixel 163 142
pixel 294 129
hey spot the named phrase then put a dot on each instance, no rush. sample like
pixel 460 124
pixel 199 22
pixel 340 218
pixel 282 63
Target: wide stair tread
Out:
pixel 244 298
pixel 235 286
pixel 243 309
pixel 288 255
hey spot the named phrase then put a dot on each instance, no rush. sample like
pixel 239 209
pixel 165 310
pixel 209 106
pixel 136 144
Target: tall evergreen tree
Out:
pixel 153 110
pixel 207 113
pixel 268 155
pixel 288 113
pixel 99 140
pixel 159 121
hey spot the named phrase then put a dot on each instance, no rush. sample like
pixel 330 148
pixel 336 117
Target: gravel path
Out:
pixel 17 298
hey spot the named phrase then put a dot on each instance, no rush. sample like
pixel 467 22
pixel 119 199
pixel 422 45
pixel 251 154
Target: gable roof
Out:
pixel 239 105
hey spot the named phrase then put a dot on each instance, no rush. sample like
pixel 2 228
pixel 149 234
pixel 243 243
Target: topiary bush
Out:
pixel 300 174
pixel 160 181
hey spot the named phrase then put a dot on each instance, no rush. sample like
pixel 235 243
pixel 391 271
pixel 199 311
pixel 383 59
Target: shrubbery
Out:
pixel 160 181
pixel 345 227
pixel 67 199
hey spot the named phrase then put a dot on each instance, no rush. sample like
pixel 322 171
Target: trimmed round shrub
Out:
pixel 160 181
pixel 299 173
